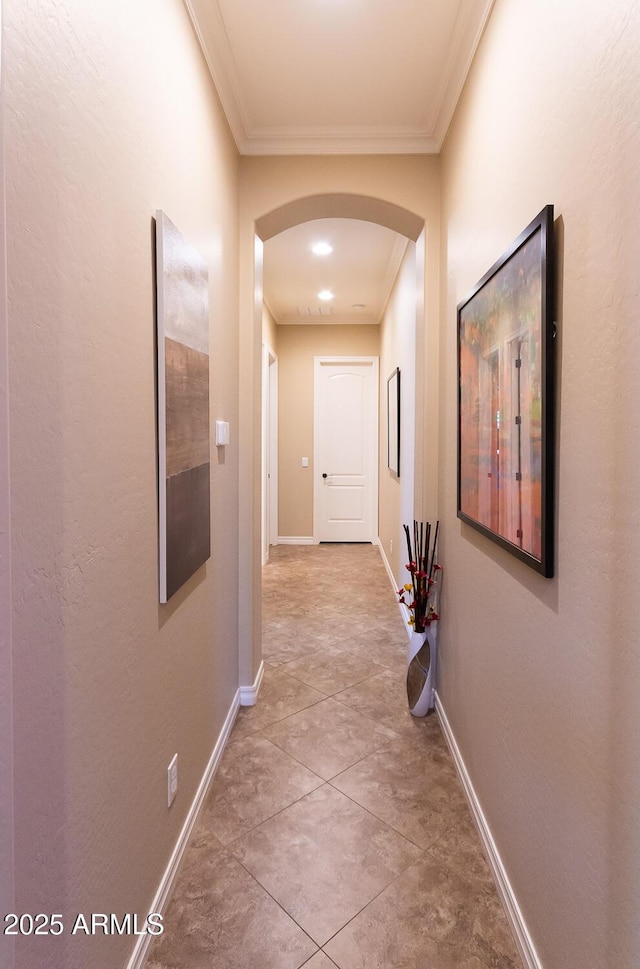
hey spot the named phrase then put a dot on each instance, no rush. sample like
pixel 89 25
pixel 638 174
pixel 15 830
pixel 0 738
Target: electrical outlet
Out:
pixel 172 779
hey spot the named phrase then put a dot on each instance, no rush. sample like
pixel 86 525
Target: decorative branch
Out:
pixel 422 567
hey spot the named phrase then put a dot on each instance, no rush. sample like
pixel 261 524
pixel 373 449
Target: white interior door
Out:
pixel 346 449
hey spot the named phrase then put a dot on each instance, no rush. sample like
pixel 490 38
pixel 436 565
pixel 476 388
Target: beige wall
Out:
pixel 540 677
pixel 111 116
pixel 398 349
pixel 297 346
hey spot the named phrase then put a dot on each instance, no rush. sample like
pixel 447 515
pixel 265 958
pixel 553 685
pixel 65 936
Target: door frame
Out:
pixel 374 363
pixel 269 450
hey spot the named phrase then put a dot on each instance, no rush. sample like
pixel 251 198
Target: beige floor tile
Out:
pixel 331 669
pixel 459 847
pixel 428 917
pixel 202 835
pixel 319 961
pixel 295 642
pixel 383 697
pixel 280 696
pixel 413 792
pixel 383 649
pixel 328 737
pixel 220 918
pixel 255 780
pixel 388 953
pixel 323 859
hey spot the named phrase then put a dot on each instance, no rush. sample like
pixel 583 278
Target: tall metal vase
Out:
pixel 421 670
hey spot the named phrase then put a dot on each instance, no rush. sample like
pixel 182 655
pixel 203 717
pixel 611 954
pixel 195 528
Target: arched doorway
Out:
pixel 340 205
pixel 257 231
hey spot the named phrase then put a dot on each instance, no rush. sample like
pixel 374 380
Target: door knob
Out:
pixel 325 475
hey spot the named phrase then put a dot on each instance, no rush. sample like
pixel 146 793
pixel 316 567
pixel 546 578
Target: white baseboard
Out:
pixel 296 540
pixel 163 894
pixel 249 694
pixel 516 920
pixel 404 612
pixel 385 560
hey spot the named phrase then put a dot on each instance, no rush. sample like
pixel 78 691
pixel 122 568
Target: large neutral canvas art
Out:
pixel 183 407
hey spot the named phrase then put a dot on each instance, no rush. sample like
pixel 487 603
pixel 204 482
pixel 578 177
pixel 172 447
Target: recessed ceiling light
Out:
pixel 322 249
pixel 325 294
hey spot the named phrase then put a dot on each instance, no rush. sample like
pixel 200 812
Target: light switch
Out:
pixel 222 433
pixel 305 462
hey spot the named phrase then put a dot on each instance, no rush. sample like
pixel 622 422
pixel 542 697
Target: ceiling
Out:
pixel 337 77
pixel 360 271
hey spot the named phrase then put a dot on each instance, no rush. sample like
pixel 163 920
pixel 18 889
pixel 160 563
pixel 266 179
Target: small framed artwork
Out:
pixel 393 422
pixel 506 399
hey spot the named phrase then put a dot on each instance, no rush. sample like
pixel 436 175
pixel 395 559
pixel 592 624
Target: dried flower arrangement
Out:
pixel 423 569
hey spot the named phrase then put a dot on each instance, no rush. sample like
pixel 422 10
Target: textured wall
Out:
pixel 110 114
pixel 540 678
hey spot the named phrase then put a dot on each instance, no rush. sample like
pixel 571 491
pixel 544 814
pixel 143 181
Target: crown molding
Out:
pixel 252 139
pixel 340 319
pixel 211 32
pixel 292 141
pixel 467 34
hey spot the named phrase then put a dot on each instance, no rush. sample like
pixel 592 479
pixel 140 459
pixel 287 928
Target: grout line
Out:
pixel 372 900
pixel 281 907
pixel 253 828
pixel 373 814
pixel 287 716
pixel 248 831
pixel 327 957
pixel 341 689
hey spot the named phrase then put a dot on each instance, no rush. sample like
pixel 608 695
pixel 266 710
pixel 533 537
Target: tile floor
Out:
pixel 336 833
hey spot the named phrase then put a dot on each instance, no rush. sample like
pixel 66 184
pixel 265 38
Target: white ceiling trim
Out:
pixel 462 50
pixel 317 319
pixel 250 139
pixel 211 32
pixel 333 142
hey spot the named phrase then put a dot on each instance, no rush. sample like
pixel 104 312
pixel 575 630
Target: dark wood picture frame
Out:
pixel 506 399
pixel 393 422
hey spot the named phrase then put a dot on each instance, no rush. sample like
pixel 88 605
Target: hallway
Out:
pixel 336 832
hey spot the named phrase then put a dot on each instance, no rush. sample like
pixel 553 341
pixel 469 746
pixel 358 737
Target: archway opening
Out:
pixel 340 205
pixel 411 227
